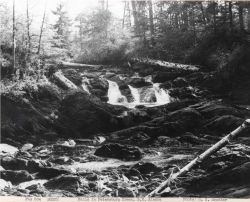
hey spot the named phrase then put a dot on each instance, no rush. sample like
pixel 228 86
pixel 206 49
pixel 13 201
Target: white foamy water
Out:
pixel 114 94
pixel 136 94
pixel 162 97
pixel 85 82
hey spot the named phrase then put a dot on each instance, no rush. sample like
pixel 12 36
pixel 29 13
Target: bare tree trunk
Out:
pixel 124 12
pixel 81 34
pixel 14 37
pixel 107 4
pixel 241 20
pixel 151 21
pixel 28 31
pixel 41 31
pixel 135 16
pixel 203 14
pixel 248 17
pixel 214 16
pixel 216 147
pixel 230 15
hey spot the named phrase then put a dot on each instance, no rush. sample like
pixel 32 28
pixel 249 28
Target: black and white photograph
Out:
pixel 125 99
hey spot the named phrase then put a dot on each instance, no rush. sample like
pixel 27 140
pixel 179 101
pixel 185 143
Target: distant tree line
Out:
pixel 179 31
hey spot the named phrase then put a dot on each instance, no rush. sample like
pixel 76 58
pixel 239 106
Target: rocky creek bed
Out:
pixel 64 140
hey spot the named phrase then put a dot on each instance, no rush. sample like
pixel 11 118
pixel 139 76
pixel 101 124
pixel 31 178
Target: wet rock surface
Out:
pixel 52 146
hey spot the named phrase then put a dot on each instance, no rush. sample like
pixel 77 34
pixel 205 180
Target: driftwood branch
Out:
pixel 78 65
pixel 224 141
pixel 164 64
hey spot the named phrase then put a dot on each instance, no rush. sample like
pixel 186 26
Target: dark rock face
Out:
pixel 126 192
pixel 180 82
pixel 16 176
pixel 212 109
pixel 73 76
pixel 189 117
pixel 123 152
pixel 181 93
pixel 21 164
pixel 98 86
pixel 21 122
pixel 224 124
pixel 64 182
pixel 47 93
pixel 50 172
pixel 83 115
pixel 138 82
pixel 161 77
pixel 11 163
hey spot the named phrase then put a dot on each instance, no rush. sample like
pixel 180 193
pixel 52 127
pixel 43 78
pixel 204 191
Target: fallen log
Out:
pixel 165 64
pixel 63 81
pixel 224 141
pixel 78 65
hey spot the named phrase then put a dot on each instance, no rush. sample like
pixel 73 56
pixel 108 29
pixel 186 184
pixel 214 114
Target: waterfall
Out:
pixel 114 94
pixel 162 97
pixel 85 82
pixel 147 96
pixel 135 93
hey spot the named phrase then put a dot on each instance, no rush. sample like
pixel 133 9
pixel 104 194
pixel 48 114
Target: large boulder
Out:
pixel 137 82
pixel 16 177
pixel 161 77
pixel 188 117
pixel 73 76
pixel 82 115
pixel 98 86
pixel 123 152
pixel 69 183
pixel 50 172
pixel 224 124
pixel 181 93
pixel 146 167
pixel 6 150
pixel 21 121
pixel 212 109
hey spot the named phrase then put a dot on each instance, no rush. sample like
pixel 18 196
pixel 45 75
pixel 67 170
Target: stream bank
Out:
pixel 104 131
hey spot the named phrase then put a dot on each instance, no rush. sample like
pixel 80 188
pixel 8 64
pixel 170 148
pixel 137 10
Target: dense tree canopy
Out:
pixel 203 33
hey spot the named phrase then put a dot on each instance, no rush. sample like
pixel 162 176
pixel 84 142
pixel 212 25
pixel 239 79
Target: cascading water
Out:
pixel 147 96
pixel 136 94
pixel 114 94
pixel 85 82
pixel 162 97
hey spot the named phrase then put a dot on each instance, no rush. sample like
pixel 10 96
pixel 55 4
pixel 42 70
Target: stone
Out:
pixel 69 183
pixel 50 172
pixel 73 76
pixel 180 82
pixel 82 115
pixel 161 77
pixel 126 192
pixel 27 147
pixel 138 82
pixel 16 177
pixel 188 117
pixel 146 167
pixel 224 124
pixel 4 184
pixel 6 149
pixel 10 163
